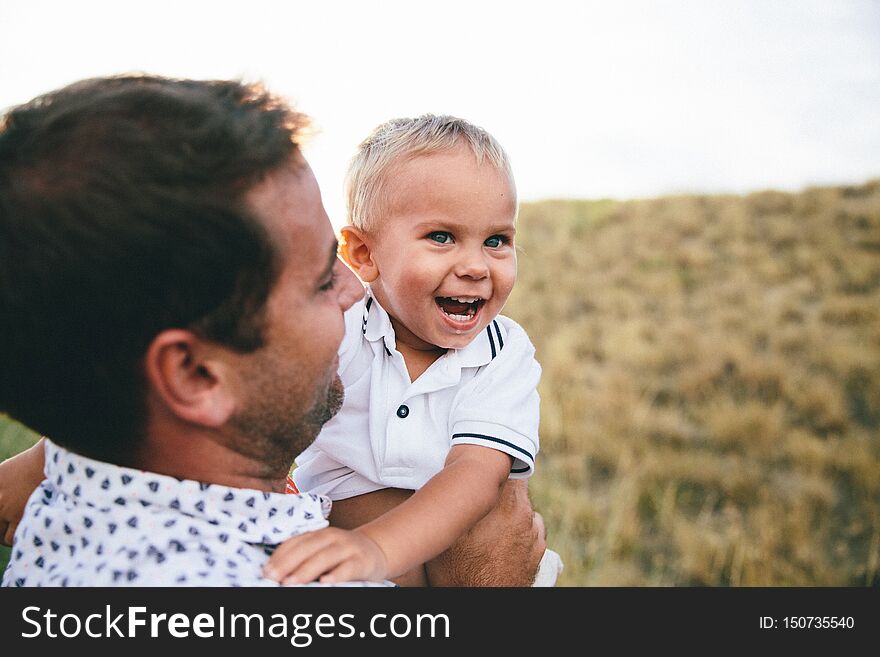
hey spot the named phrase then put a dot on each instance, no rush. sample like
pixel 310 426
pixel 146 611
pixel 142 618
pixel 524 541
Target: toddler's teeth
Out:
pixel 460 318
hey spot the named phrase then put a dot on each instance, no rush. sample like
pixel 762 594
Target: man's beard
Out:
pixel 310 426
pixel 269 435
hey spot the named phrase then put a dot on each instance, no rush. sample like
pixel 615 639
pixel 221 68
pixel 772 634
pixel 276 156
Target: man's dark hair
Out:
pixel 122 214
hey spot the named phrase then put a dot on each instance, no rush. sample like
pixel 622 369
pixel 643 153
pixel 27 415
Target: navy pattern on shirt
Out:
pixel 95 524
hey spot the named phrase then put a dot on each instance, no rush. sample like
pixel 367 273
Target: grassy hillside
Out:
pixel 711 386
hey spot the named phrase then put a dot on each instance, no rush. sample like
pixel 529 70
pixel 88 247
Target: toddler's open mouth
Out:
pixel 460 309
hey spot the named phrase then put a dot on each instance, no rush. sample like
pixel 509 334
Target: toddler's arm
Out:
pixel 352 512
pixel 502 549
pixel 412 533
pixel 19 476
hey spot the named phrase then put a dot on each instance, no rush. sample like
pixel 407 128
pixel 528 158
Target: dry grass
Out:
pixel 711 387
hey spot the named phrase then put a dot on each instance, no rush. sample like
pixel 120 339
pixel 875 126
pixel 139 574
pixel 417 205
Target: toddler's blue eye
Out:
pixel 440 236
pixel 495 241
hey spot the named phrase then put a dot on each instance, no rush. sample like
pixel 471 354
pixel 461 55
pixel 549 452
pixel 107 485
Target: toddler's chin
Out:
pixel 459 341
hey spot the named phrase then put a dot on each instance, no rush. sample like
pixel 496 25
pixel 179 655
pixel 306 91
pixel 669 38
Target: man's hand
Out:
pixel 503 549
pixel 329 556
pixel 19 476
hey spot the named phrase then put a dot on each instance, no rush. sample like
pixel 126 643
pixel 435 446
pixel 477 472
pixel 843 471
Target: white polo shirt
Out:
pixel 394 433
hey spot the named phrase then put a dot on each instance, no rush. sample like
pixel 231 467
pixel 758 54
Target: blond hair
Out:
pixel 399 140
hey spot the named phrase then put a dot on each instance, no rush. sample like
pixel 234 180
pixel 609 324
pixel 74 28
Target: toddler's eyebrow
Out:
pixel 443 224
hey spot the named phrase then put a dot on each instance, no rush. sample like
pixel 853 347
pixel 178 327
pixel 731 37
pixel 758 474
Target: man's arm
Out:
pixel 502 549
pixel 19 476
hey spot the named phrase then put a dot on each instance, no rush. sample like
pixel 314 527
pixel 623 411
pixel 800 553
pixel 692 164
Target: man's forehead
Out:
pixel 288 204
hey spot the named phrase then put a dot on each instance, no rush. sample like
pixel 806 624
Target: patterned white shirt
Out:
pixel 95 524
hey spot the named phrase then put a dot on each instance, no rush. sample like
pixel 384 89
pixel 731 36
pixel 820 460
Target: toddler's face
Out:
pixel 444 248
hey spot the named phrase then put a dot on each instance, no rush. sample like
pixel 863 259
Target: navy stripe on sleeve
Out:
pixel 519 470
pixel 491 341
pixel 494 440
pixel 498 333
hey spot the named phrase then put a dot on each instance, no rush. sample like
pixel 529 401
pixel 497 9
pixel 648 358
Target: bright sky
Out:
pixel 590 98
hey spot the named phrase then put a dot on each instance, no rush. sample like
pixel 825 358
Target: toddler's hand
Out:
pixel 329 556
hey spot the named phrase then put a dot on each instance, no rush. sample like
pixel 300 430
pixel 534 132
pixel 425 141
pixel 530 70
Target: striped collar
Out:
pixel 377 326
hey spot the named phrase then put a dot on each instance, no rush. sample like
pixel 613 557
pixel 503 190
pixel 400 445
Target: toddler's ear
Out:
pixel 356 252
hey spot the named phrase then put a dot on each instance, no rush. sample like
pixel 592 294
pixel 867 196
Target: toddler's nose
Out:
pixel 473 265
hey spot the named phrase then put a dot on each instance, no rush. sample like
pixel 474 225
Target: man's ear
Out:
pixel 357 252
pixel 191 384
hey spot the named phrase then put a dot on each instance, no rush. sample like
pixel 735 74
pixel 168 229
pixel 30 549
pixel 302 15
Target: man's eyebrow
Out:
pixel 334 249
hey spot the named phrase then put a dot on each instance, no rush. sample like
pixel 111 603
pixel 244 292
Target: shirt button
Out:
pixel 403 411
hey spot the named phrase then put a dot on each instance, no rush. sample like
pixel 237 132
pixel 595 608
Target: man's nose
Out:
pixel 350 288
pixel 472 264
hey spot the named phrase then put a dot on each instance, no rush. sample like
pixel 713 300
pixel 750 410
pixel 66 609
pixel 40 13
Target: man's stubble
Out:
pixel 269 429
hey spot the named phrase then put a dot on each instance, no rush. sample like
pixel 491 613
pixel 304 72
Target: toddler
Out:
pixel 440 390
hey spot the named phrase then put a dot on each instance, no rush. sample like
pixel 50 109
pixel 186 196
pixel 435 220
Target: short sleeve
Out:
pixel 500 407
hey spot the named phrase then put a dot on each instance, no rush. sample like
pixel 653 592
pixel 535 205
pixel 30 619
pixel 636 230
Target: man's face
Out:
pixel 289 388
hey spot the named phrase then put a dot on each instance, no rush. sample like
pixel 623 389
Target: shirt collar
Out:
pixel 483 348
pixel 486 346
pixel 377 323
pixel 254 516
